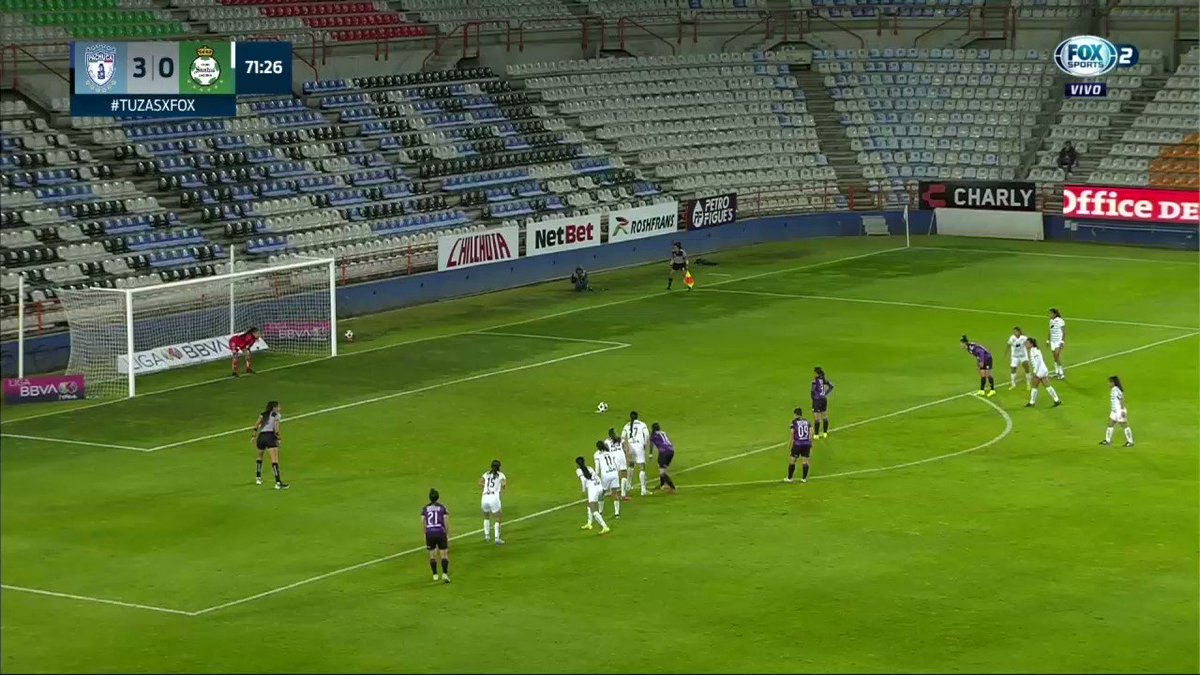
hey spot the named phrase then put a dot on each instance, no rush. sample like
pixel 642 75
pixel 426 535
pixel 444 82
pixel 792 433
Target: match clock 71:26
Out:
pixel 264 67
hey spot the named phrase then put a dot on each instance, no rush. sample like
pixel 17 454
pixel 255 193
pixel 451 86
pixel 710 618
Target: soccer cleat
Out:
pixel 787 480
pixel 1105 443
pixel 645 493
pixel 977 393
pixel 1028 405
pixel 586 527
pixel 1057 403
pixel 1129 444
pixel 624 498
pixel 991 393
pixel 499 541
pixel 825 435
pixel 235 373
pixel 435 577
pixel 281 486
pixel 604 531
pixel 446 578
pixel 803 480
pixel 249 371
pixel 258 480
pixel 487 540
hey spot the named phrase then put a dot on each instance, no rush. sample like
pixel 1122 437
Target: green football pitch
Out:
pixel 939 531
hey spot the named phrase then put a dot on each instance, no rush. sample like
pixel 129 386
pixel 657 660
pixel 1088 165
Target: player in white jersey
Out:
pixel 590 482
pixel 1017 356
pixel 635 436
pixel 1041 375
pixel 613 443
pixel 1117 413
pixel 493 483
pixel 608 463
pixel 1058 338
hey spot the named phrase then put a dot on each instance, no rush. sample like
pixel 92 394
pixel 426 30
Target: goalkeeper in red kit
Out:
pixel 241 344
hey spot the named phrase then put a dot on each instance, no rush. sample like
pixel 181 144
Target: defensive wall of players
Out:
pixel 50 352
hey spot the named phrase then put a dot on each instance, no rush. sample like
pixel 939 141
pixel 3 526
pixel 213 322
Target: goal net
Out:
pixel 121 334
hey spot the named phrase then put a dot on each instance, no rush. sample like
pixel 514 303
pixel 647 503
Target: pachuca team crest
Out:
pixel 205 69
pixel 101 64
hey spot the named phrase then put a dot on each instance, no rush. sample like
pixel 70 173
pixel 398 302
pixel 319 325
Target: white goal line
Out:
pixel 392 556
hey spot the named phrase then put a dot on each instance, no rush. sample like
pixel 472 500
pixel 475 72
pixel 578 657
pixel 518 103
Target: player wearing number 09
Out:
pixel 821 389
pixel 493 483
pixel 435 519
pixel 983 361
pixel 241 344
pixel 607 463
pixel 635 436
pixel 666 453
pixel 1017 356
pixel 1041 374
pixel 590 482
pixel 1117 413
pixel 266 439
pixel 614 445
pixel 800 436
pixel 1058 340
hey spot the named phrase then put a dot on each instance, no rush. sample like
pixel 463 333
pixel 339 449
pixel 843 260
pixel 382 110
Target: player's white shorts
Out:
pixel 639 454
pixel 1016 361
pixel 1117 416
pixel 622 463
pixel 490 504
pixel 595 493
pixel 1055 345
pixel 1044 372
pixel 610 481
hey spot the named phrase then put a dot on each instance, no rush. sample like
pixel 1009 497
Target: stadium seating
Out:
pixel 448 14
pixel 705 122
pixel 338 20
pixel 1159 149
pixel 29 21
pixel 872 9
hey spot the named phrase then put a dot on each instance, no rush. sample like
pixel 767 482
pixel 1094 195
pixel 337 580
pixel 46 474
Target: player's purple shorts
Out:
pixel 801 449
pixel 820 405
pixel 665 457
pixel 985 363
pixel 436 540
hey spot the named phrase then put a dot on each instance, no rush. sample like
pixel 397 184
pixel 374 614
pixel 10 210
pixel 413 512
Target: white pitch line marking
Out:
pixel 1008 427
pixel 556 338
pixel 443 336
pixel 1054 255
pixel 103 601
pixel 947 308
pixel 73 442
pixel 560 507
pixel 398 394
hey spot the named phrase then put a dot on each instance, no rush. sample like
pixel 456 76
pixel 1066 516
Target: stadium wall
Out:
pixel 49 353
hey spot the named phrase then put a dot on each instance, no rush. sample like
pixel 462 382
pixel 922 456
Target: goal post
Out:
pixel 121 334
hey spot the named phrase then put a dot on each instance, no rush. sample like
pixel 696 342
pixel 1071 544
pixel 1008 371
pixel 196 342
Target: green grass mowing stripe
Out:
pixel 921 305
pixel 611 346
pixel 1043 254
pixel 560 507
pixel 74 442
pixel 403 343
pixel 1008 424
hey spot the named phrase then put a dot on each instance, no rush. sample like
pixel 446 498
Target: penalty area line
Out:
pixel 68 441
pixel 102 601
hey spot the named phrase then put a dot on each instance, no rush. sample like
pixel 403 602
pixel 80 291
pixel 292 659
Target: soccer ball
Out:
pixel 349 336
pixel 601 407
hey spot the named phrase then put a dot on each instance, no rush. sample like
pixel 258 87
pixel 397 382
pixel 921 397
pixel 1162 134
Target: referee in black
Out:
pixel 679 263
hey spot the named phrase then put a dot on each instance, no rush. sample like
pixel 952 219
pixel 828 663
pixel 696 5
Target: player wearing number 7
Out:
pixel 241 344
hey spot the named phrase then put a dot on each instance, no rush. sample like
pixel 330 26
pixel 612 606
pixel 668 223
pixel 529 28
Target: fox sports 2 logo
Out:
pixel 1091 56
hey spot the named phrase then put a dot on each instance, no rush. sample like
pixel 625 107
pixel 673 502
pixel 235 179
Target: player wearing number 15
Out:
pixel 436 521
pixel 493 483
pixel 241 344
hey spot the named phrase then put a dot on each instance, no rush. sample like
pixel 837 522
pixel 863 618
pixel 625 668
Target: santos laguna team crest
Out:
pixel 205 69
pixel 101 63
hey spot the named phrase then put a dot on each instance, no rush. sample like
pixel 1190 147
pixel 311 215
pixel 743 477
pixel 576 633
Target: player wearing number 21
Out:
pixel 493 483
pixel 435 519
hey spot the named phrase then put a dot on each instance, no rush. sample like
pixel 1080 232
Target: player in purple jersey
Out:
pixel 983 361
pixel 666 452
pixel 434 518
pixel 821 388
pixel 800 436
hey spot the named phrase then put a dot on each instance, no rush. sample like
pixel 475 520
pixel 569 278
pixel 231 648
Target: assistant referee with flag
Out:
pixel 679 264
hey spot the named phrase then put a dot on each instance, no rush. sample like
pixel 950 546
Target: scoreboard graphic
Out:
pixel 196 78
